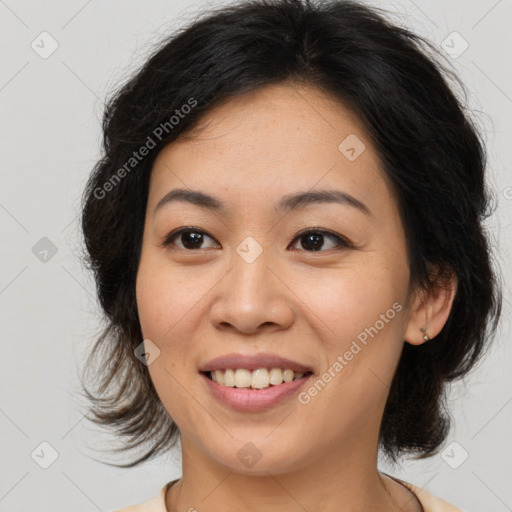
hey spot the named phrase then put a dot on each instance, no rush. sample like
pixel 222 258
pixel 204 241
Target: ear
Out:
pixel 430 309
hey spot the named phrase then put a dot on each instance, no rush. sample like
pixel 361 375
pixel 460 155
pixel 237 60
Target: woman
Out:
pixel 286 234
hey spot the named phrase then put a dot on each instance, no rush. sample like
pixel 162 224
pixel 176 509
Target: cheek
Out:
pixel 165 301
pixel 347 301
pixel 359 314
pixel 152 301
pixel 165 295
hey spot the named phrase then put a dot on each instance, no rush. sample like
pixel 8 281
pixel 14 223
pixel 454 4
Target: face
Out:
pixel 318 281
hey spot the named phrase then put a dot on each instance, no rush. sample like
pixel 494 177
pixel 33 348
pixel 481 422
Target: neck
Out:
pixel 344 480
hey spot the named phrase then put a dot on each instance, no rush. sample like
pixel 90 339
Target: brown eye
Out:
pixel 187 238
pixel 314 240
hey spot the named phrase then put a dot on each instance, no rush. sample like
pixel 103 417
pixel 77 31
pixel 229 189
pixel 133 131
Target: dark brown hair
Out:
pixel 429 148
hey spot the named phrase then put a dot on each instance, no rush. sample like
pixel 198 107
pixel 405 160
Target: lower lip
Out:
pixel 254 400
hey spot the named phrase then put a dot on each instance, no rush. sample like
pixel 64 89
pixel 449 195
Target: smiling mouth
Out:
pixel 261 378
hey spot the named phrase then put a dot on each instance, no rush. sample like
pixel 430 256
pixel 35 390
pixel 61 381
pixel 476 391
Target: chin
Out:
pixel 258 457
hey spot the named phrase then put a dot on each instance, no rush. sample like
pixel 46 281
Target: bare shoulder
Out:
pixel 432 503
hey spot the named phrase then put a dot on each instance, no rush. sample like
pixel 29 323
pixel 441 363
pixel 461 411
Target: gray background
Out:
pixel 50 110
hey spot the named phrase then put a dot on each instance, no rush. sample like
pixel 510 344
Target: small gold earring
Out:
pixel 426 337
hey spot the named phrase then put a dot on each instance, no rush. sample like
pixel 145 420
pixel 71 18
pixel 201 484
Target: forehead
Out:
pixel 274 140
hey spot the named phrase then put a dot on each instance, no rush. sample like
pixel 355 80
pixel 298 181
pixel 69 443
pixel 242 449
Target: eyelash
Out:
pixel 342 243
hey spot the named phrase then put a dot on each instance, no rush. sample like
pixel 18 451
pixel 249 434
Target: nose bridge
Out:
pixel 252 294
pixel 250 282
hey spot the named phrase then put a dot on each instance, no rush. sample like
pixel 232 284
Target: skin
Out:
pixel 197 304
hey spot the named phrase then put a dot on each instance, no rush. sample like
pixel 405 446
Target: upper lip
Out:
pixel 233 361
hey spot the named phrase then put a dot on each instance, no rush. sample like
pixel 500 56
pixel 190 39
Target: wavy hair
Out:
pixel 429 147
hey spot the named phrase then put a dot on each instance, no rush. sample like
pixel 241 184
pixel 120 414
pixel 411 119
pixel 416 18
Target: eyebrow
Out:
pixel 287 203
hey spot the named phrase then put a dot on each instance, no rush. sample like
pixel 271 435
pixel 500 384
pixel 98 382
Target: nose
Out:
pixel 253 297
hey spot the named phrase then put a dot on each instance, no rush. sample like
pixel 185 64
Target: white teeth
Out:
pixel 257 379
pixel 276 376
pixel 229 378
pixel 260 378
pixel 218 376
pixel 242 378
pixel 288 375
